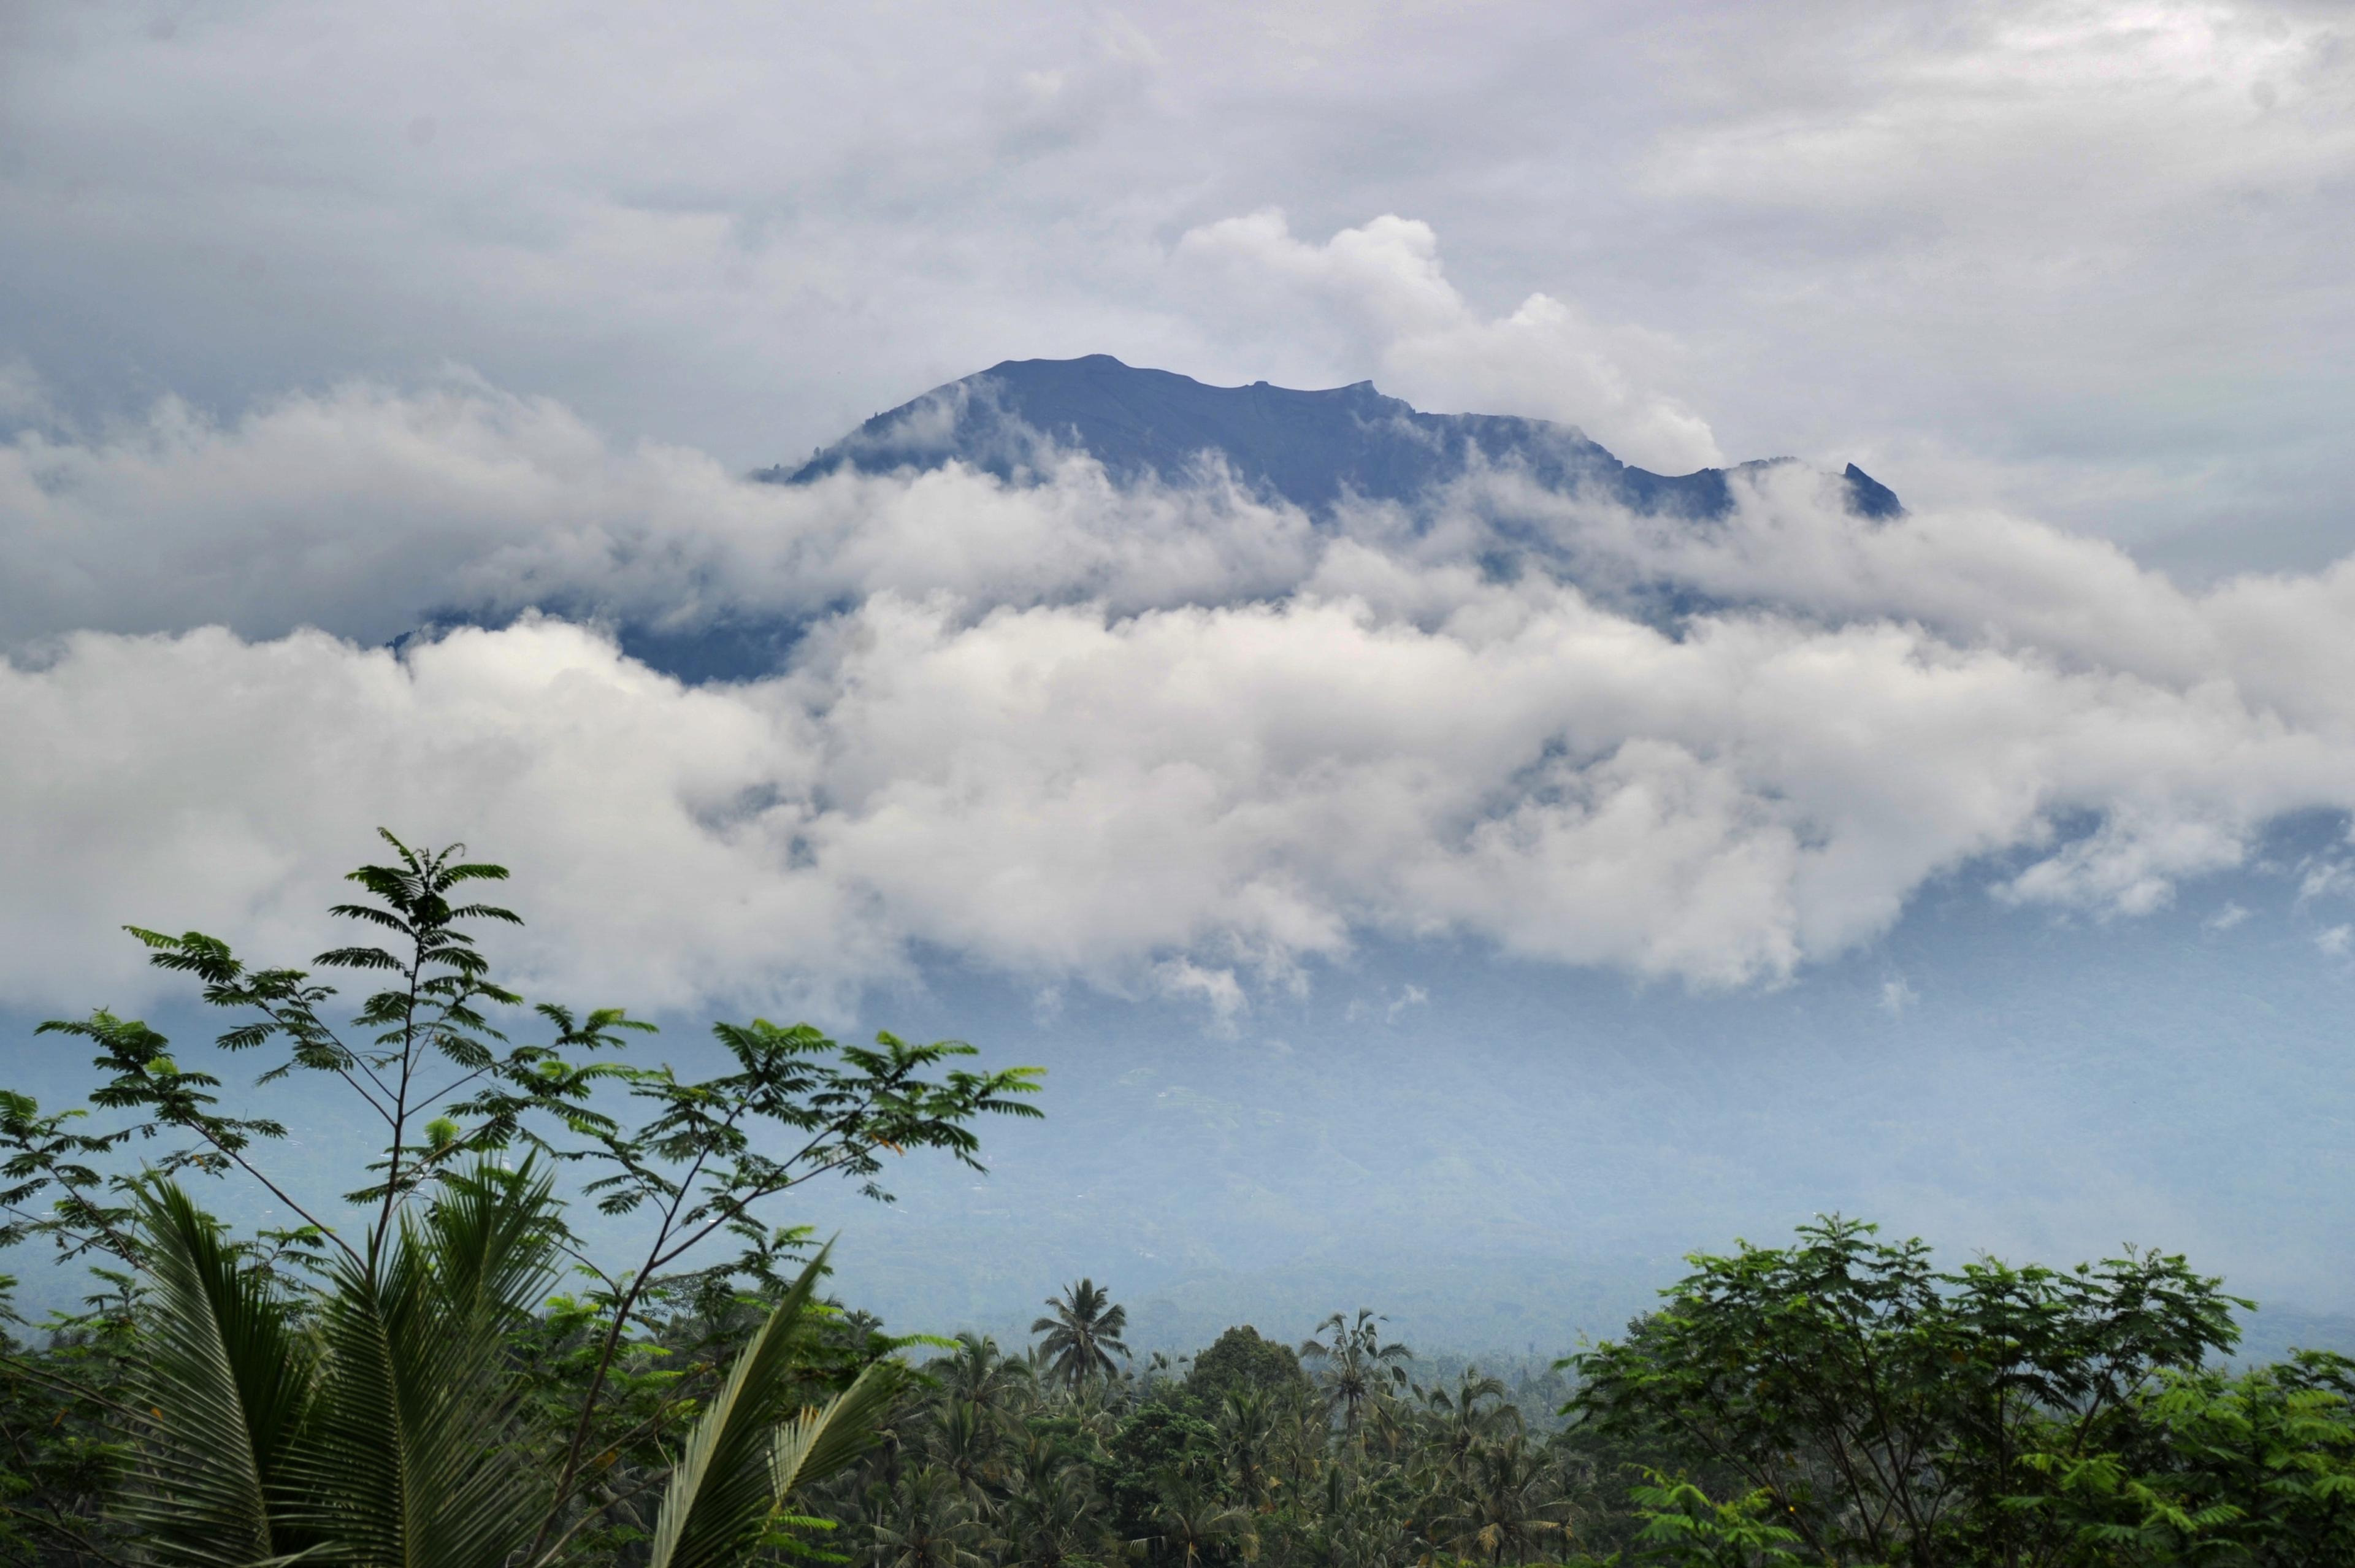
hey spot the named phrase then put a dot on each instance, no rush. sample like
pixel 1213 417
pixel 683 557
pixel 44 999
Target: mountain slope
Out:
pixel 1311 448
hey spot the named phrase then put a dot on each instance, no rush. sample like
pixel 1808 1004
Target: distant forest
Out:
pixel 439 1372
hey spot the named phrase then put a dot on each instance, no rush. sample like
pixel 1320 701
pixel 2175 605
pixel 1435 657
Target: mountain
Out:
pixel 1310 448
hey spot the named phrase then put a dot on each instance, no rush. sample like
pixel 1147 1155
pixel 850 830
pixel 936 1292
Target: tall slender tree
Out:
pixel 1082 1332
pixel 1355 1363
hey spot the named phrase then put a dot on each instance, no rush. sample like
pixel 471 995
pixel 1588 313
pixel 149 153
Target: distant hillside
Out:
pixel 1308 447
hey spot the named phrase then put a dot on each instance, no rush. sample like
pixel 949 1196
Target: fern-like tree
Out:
pixel 356 1388
pixel 1082 1332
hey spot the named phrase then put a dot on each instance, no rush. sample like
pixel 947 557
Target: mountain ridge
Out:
pixel 1313 448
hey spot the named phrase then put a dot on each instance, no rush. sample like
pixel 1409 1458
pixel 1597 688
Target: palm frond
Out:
pixel 227 1380
pixel 737 1462
pixel 825 1439
pixel 413 1457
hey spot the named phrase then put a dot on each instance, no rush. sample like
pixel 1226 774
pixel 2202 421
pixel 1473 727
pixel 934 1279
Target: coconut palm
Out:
pixel 1193 1524
pixel 1082 1333
pixel 1354 1363
pixel 979 1374
pixel 752 1448
pixel 1247 1438
pixel 1458 1423
pixel 966 1441
pixel 1356 1527
pixel 1511 1504
pixel 394 1431
pixel 1298 1451
pixel 1051 1515
pixel 228 1380
pixel 391 1435
pixel 928 1521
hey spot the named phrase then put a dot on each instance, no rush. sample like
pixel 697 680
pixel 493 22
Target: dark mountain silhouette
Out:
pixel 1310 448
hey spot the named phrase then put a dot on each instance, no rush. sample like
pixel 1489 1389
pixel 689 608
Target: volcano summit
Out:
pixel 1313 449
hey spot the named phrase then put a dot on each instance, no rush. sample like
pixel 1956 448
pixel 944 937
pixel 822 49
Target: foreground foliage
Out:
pixel 1872 1409
pixel 397 1382
pixel 444 1371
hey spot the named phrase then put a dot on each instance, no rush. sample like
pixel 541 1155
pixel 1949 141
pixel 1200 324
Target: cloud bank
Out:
pixel 1166 738
pixel 2087 256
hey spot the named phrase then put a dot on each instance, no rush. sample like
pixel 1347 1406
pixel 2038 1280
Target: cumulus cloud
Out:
pixel 1158 739
pixel 1384 304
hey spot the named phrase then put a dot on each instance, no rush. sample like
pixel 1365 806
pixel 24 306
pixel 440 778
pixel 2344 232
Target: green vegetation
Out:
pixel 446 1373
pixel 408 1387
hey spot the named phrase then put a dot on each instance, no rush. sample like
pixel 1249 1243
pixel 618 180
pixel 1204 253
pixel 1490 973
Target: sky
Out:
pixel 2079 258
pixel 318 323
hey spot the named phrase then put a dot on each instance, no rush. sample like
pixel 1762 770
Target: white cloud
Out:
pixel 2087 249
pixel 1386 306
pixel 364 509
pixel 1897 996
pixel 2228 916
pixel 1196 790
pixel 2325 879
pixel 2175 97
pixel 1219 989
pixel 1155 737
pixel 2336 941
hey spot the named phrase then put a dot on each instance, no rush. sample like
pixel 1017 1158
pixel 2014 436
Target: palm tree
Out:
pixel 393 1431
pixel 1299 1448
pixel 1247 1434
pixel 965 1440
pixel 1193 1523
pixel 1082 1333
pixel 979 1374
pixel 1050 1514
pixel 1357 1527
pixel 1461 1421
pixel 752 1448
pixel 1354 1363
pixel 1511 1500
pixel 390 1434
pixel 928 1522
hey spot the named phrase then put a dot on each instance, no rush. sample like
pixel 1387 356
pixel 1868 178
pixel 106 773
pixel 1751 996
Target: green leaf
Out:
pixel 227 1383
pixel 745 1455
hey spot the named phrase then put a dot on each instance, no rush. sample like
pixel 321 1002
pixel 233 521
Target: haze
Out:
pixel 1384 917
